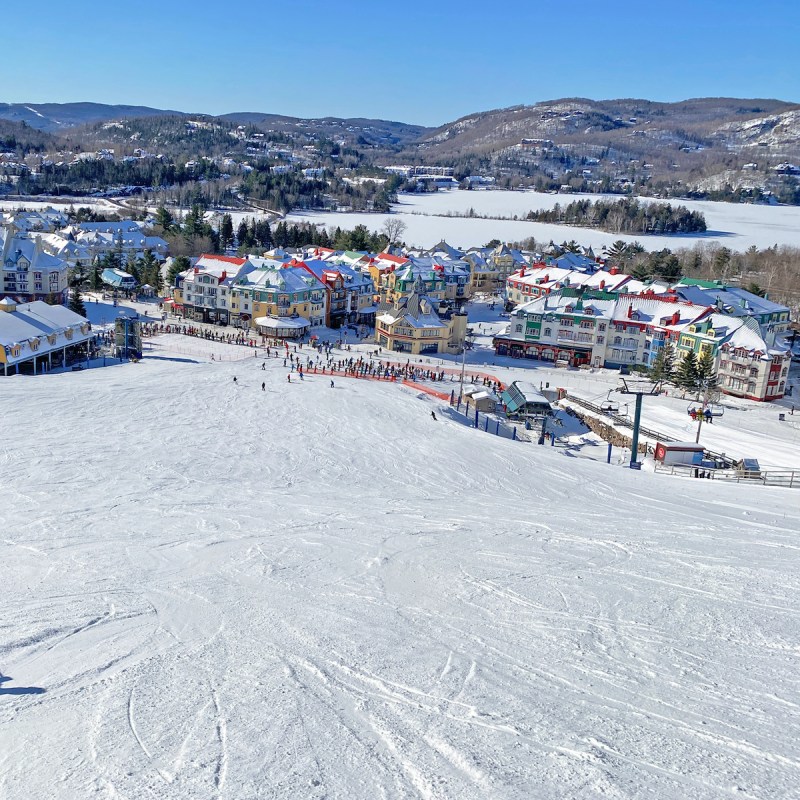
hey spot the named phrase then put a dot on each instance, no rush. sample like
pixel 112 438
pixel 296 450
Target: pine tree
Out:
pixel 226 232
pixel 664 363
pixel 706 375
pixel 178 265
pixel 686 374
pixel 95 279
pixel 243 236
pixel 75 300
pixel 164 219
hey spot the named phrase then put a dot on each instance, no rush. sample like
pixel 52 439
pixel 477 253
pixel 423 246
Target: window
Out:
pixel 601 326
pixel 547 332
pixel 601 339
pixel 518 328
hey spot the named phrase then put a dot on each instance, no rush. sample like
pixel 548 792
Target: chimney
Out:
pixel 522 272
pixel 223 276
pixel 675 318
pixel 196 271
pixel 614 270
pixel 602 285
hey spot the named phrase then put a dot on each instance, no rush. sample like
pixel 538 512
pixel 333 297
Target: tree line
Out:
pixel 626 215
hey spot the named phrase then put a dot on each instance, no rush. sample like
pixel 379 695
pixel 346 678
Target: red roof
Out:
pixel 226 259
pixel 390 257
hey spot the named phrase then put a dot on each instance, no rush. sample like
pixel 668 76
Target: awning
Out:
pixel 287 323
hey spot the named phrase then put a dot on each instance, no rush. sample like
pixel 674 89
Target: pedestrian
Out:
pixel 263 365
pixel 234 379
pixel 289 378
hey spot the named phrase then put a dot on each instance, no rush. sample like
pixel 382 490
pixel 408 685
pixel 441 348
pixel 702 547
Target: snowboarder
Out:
pixel 433 414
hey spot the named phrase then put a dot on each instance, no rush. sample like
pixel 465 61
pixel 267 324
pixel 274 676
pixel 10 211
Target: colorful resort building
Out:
pixel 35 337
pixel 577 328
pixel 27 272
pixel 412 324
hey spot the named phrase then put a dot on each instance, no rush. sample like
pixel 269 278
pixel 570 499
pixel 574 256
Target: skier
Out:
pixel 331 384
pixel 289 378
pixel 433 414
pixel 263 386
pixel 234 379
pixel 263 365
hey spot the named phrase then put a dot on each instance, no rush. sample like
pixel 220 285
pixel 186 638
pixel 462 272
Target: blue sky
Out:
pixel 421 62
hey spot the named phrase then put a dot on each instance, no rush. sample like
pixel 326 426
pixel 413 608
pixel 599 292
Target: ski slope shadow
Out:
pixel 10 690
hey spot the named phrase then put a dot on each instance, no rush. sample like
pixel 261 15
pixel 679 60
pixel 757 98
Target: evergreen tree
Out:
pixel 263 234
pixel 706 375
pixel 150 270
pixel 686 374
pixel 664 363
pixel 75 300
pixel 95 279
pixel 178 265
pixel 243 236
pixel 164 219
pixel 226 232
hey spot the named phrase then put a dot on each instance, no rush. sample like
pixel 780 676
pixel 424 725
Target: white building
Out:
pixel 35 337
pixel 28 273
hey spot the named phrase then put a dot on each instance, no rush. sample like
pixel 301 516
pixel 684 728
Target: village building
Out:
pixel 412 324
pixel 575 328
pixel 203 293
pixel 93 240
pixel 266 289
pixel 28 273
pixel 35 337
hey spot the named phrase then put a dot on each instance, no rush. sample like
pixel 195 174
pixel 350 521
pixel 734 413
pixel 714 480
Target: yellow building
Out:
pixel 412 325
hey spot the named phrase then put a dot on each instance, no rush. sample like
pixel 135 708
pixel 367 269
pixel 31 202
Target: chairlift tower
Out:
pixel 639 387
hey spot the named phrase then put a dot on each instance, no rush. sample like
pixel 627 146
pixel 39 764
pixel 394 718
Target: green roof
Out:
pixel 702 284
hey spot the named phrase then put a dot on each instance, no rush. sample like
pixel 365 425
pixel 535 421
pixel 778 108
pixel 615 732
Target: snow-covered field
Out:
pixel 212 590
pixel 737 226
pixel 62 203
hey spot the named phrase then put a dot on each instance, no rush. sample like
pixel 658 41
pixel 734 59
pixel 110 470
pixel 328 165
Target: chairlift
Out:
pixel 609 406
pixel 710 410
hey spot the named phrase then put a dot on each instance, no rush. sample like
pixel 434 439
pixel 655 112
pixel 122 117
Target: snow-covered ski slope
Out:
pixel 214 591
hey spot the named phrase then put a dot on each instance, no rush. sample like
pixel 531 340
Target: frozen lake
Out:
pixel 737 226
